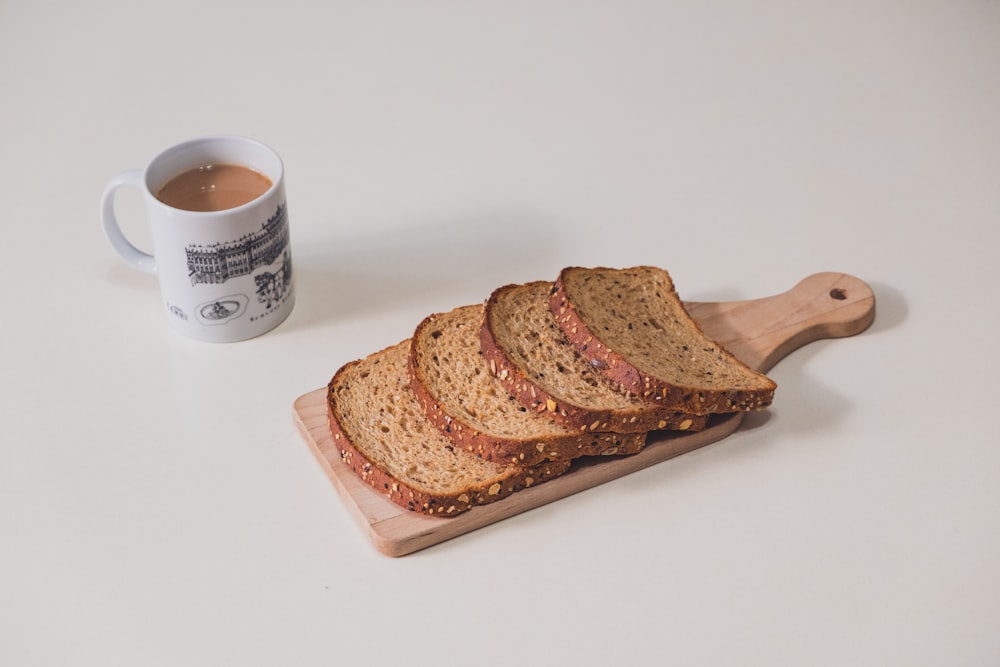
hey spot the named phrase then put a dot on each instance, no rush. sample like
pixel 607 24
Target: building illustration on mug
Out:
pixel 218 262
pixel 272 287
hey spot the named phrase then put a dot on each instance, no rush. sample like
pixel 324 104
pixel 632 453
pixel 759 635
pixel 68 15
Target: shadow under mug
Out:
pixel 225 275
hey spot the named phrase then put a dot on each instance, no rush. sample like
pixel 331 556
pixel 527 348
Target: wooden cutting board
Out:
pixel 760 332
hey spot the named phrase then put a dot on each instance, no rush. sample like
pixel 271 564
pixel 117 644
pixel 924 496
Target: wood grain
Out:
pixel 760 332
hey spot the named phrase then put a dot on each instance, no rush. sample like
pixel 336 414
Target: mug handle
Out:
pixel 132 255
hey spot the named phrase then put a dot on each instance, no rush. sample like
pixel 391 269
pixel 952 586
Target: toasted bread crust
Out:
pixel 553 443
pixel 700 400
pixel 641 416
pixel 490 429
pixel 508 479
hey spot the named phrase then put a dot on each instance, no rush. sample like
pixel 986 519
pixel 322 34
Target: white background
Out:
pixel 157 506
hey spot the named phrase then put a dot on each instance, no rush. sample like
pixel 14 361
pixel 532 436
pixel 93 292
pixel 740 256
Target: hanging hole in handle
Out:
pixel 838 293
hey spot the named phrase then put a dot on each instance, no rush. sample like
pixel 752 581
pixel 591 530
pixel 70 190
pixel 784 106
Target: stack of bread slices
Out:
pixel 485 400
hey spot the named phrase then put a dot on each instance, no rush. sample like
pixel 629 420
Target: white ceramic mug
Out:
pixel 224 275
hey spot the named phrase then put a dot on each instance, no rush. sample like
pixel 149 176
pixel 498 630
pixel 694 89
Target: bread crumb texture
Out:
pixel 385 438
pixel 633 324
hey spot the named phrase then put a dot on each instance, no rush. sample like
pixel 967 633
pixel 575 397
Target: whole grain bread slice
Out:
pixel 466 402
pixel 632 326
pixel 383 435
pixel 531 356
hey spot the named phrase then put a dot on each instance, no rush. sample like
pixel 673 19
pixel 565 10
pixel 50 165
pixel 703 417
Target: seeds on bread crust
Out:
pixel 632 325
pixel 464 398
pixel 466 414
pixel 381 434
pixel 530 355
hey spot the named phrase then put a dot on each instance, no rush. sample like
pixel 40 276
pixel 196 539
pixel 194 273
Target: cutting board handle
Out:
pixel 761 332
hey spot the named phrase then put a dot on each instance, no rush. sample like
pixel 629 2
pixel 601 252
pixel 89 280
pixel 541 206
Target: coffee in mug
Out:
pixel 218 219
pixel 213 187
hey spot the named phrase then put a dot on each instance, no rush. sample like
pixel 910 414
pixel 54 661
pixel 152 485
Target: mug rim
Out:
pixel 188 144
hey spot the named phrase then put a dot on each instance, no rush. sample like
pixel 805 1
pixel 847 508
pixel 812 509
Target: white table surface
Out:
pixel 157 506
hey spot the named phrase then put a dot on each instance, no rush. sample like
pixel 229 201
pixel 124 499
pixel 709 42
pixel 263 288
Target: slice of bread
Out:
pixel 632 326
pixel 463 399
pixel 385 438
pixel 531 356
